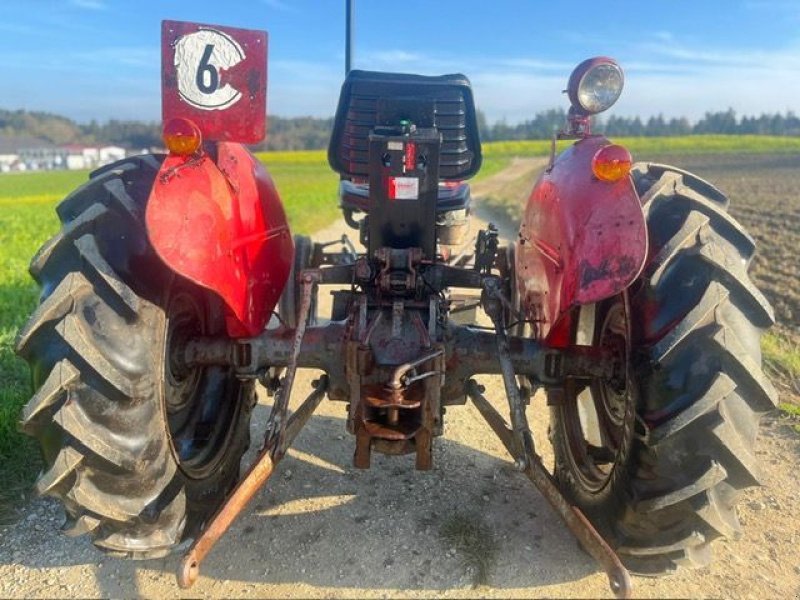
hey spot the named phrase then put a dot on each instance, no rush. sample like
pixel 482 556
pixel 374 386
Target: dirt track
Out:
pixel 323 529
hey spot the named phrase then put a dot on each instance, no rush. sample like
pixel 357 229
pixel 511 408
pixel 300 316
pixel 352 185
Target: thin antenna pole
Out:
pixel 349 27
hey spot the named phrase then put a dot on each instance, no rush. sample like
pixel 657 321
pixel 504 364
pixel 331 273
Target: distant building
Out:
pixel 109 154
pixel 25 153
pixel 8 155
pixel 80 157
pixel 39 155
pixel 91 157
pixel 22 153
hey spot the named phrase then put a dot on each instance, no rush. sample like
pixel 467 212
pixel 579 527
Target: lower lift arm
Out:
pixel 519 443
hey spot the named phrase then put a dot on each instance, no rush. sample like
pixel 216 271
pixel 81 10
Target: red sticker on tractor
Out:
pixel 403 188
pixel 217 78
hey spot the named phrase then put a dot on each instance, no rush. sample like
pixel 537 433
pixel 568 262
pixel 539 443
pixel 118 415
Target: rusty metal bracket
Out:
pixel 618 577
pixel 492 299
pixel 279 436
pixel 399 377
pixel 276 426
pixel 519 443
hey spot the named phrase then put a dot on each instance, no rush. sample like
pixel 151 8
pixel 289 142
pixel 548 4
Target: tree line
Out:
pixel 547 122
pixel 301 133
pixel 310 133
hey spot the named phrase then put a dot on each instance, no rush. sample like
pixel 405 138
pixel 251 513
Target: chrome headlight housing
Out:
pixel 595 85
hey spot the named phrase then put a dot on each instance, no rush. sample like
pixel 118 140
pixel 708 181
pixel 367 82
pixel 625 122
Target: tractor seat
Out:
pixel 369 100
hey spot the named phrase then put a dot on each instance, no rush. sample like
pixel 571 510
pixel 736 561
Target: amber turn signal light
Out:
pixel 611 163
pixel 182 137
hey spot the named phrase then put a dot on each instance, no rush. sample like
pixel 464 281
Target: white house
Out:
pixel 109 154
pixel 9 152
pixel 24 153
pixel 19 153
pixel 7 160
pixel 91 157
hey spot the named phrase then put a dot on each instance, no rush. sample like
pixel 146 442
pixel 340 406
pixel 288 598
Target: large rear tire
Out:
pixel 139 447
pixel 290 300
pixel 660 463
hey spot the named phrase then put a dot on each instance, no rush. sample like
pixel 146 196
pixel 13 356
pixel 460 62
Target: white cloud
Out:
pixel 735 57
pixel 662 76
pixel 129 56
pixel 693 94
pixel 397 56
pixel 535 64
pixel 90 4
pixel 403 61
pixel 278 5
pixel 678 79
pixel 105 61
pixel 515 96
pixel 148 57
pixel 298 88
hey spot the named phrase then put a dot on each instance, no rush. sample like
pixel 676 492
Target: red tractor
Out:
pixel 625 297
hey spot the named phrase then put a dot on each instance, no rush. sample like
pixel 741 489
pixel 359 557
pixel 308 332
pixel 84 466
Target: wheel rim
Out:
pixel 200 407
pixel 598 414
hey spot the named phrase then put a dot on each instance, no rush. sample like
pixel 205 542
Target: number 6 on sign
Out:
pixel 199 57
pixel 217 78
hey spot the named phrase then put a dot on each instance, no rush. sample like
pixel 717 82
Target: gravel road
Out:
pixel 321 528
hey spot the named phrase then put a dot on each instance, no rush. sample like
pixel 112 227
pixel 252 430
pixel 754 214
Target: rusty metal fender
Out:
pixel 221 224
pixel 581 240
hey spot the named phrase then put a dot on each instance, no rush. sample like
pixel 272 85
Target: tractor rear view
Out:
pixel 175 288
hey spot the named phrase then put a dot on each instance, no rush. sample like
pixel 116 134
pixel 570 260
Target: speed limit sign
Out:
pixel 216 77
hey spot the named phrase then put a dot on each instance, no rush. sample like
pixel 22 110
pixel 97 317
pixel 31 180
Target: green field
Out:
pixel 308 189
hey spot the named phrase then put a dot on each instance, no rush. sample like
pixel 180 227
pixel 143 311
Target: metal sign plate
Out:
pixel 216 77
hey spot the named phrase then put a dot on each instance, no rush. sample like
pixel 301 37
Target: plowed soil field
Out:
pixel 765 197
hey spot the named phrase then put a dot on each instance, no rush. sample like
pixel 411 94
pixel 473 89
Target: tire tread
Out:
pixel 93 344
pixel 694 454
pixel 720 417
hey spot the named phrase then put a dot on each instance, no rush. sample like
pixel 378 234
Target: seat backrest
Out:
pixel 371 99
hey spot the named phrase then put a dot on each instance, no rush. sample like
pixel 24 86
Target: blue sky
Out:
pixel 101 59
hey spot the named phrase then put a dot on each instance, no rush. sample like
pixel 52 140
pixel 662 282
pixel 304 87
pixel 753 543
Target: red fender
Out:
pixel 581 239
pixel 222 226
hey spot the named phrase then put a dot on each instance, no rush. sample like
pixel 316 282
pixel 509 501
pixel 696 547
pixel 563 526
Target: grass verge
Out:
pixel 23 227
pixel 782 363
pixel 473 542
pixel 781 358
pixel 791 412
